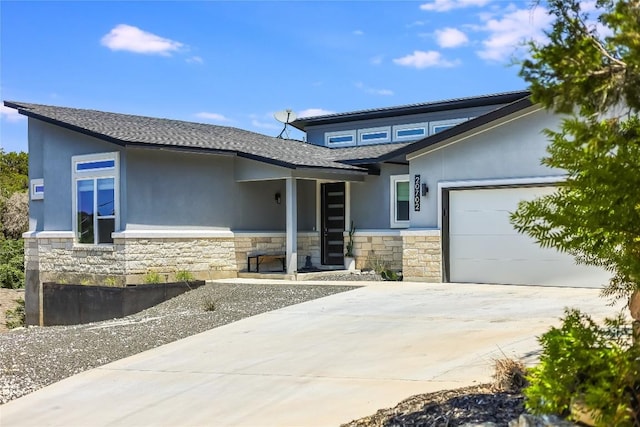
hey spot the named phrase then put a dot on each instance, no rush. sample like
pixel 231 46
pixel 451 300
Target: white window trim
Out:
pixel 329 135
pixel 450 122
pixel 94 174
pixel 37 195
pixel 411 126
pixel 393 221
pixel 368 131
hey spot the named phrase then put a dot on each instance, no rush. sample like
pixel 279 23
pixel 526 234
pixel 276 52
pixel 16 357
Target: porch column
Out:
pixel 292 225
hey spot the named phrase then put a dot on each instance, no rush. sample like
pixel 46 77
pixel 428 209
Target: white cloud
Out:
pixel 508 33
pixel 446 5
pixel 133 39
pixel 451 37
pixel 266 125
pixel 421 59
pixel 312 112
pixel 373 91
pixel 195 60
pixel 415 24
pixel 215 117
pixel 358 33
pixel 10 115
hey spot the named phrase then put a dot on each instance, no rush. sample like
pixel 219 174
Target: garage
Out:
pixel 483 247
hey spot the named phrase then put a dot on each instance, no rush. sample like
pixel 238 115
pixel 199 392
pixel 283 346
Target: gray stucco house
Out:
pixel 428 187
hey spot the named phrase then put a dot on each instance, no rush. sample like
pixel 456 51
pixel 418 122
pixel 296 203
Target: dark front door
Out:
pixel 333 223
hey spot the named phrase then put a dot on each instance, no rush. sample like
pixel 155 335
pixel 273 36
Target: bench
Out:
pixel 262 258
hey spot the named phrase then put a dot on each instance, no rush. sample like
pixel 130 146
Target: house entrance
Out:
pixel 333 210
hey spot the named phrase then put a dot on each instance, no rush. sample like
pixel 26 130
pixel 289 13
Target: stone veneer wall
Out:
pixel 129 259
pixel 371 248
pixel 422 256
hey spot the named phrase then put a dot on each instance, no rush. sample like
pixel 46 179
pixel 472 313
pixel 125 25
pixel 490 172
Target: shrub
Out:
pixel 184 276
pixel 598 365
pixel 152 277
pixel 11 264
pixel 16 318
pixel 15 218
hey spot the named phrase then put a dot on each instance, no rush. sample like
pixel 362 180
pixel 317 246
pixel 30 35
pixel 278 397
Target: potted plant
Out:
pixel 349 257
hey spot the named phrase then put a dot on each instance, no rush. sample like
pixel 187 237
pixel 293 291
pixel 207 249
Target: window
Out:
pixel 437 127
pixel 340 139
pixel 37 189
pixel 410 132
pixel 400 197
pixel 95 180
pixel 374 135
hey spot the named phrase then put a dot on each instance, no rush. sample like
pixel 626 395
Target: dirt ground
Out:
pixel 8 299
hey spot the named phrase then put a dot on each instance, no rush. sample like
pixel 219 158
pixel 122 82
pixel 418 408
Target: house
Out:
pixel 114 196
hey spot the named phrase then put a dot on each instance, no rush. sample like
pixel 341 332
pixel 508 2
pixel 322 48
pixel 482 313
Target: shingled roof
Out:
pixel 130 130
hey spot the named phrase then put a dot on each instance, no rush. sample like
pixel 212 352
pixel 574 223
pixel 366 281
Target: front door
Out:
pixel 333 223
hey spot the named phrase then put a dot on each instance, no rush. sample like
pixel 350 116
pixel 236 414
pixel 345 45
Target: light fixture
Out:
pixel 278 198
pixel 425 189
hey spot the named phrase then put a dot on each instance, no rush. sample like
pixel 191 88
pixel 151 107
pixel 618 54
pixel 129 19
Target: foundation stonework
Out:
pixel 374 250
pixel 59 259
pixel 422 256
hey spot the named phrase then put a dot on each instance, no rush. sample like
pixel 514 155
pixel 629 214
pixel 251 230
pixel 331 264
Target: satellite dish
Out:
pixel 286 117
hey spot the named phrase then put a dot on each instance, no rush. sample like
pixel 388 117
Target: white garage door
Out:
pixel 484 247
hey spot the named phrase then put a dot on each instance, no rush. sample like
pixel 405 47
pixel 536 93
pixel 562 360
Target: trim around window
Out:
pixel 340 138
pixel 378 135
pixel 95 197
pixel 399 201
pixel 410 132
pixel 37 189
pixel 439 126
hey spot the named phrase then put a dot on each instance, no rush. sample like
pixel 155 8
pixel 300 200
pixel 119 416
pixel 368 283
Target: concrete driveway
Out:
pixel 320 363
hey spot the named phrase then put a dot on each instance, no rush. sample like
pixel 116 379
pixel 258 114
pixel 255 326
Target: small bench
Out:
pixel 262 258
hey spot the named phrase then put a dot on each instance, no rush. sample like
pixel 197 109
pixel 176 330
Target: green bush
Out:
pixel 184 276
pixel 11 264
pixel 597 365
pixel 15 318
pixel 152 277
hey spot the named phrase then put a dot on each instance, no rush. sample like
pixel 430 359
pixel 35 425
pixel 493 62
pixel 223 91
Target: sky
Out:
pixel 236 63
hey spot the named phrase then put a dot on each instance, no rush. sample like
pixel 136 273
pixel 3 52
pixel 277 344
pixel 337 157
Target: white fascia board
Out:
pixel 172 234
pixel 474 132
pixel 48 235
pixel 426 232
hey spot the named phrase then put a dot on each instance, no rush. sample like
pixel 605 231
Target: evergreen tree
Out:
pixel 590 70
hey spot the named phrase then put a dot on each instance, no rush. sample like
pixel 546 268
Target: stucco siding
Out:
pixel 58 146
pixel 512 150
pixel 370 204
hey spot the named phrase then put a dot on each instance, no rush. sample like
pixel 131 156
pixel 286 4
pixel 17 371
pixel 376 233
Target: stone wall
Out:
pixel 377 249
pixel 129 259
pixel 422 256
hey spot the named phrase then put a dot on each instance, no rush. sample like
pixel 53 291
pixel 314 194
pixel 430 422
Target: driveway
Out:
pixel 320 363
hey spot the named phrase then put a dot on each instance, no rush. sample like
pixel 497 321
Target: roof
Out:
pixel 139 131
pixel 403 110
pixel 475 123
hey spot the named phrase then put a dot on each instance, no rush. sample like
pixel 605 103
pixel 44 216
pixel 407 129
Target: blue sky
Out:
pixel 236 63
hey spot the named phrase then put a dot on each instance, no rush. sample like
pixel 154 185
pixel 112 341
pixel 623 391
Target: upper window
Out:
pixel 95 181
pixel 399 197
pixel 340 139
pixel 437 127
pixel 410 132
pixel 374 135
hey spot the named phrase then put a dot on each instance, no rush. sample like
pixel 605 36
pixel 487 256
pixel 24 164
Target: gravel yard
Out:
pixel 35 357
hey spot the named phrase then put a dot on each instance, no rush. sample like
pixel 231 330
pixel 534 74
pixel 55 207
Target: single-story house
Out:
pixel 428 187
